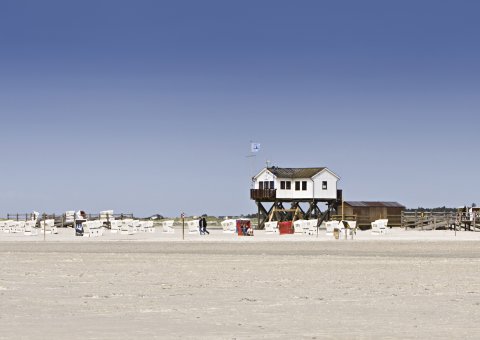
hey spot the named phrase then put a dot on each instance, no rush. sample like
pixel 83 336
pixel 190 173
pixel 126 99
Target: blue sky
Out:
pixel 149 106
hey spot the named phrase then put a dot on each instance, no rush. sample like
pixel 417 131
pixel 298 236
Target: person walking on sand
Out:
pixel 200 226
pixel 204 226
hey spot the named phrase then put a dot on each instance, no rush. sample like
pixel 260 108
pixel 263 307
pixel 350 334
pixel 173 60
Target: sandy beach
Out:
pixel 404 285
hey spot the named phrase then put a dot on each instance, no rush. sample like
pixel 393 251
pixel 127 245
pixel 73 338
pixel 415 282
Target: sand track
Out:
pixel 210 290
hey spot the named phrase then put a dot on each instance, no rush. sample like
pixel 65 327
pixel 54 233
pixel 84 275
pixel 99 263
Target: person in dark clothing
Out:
pixel 243 226
pixel 80 217
pixel 204 225
pixel 200 226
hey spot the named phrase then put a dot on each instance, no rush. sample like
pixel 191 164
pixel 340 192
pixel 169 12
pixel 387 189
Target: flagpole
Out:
pixel 254 147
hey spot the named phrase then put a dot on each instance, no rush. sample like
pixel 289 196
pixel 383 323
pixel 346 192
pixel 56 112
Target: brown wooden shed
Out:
pixel 368 212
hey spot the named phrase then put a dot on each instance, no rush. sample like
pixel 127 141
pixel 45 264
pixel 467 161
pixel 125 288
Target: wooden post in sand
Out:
pixel 474 213
pixel 455 226
pixel 183 226
pixel 44 227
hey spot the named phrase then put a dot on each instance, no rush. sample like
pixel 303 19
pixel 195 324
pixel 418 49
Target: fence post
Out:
pixel 183 226
pixel 474 220
pixel 44 217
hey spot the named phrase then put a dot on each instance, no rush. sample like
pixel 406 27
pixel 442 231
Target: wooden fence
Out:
pixel 440 220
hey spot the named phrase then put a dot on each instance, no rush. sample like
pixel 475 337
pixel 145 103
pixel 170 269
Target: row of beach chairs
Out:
pixel 28 227
pixel 90 228
pixel 192 226
pixel 131 226
pixel 309 227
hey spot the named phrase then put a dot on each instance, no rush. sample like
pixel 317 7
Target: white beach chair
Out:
pixel 193 227
pixel 385 223
pixel 375 228
pixel 92 229
pixel 106 215
pixel 229 226
pixel 167 226
pixel 115 226
pixel 149 227
pixel 378 227
pixel 127 227
pixel 299 226
pixel 331 226
pixel 87 229
pixel 20 227
pixel 48 226
pixel 98 225
pixel 135 226
pixel 311 226
pixel 347 228
pixel 13 226
pixel 8 225
pixel 271 227
pixel 352 226
pixel 142 226
pixel 69 217
pixel 30 229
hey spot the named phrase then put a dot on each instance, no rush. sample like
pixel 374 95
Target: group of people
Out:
pixel 246 229
pixel 202 226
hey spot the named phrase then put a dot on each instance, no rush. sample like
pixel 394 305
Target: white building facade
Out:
pixel 298 183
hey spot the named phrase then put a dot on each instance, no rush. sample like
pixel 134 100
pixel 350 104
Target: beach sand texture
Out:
pixel 240 290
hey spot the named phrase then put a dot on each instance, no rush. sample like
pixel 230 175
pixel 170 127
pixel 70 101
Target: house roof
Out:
pixel 294 172
pixel 358 204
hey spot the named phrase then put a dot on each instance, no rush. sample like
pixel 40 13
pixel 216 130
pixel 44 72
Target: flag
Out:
pixel 255 147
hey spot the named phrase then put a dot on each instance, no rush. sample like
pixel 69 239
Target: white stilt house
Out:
pixel 298 183
pixel 295 185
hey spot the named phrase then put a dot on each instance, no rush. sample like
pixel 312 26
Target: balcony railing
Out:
pixel 262 194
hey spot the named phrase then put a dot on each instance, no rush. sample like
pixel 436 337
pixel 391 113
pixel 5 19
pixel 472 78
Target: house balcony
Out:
pixel 263 194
